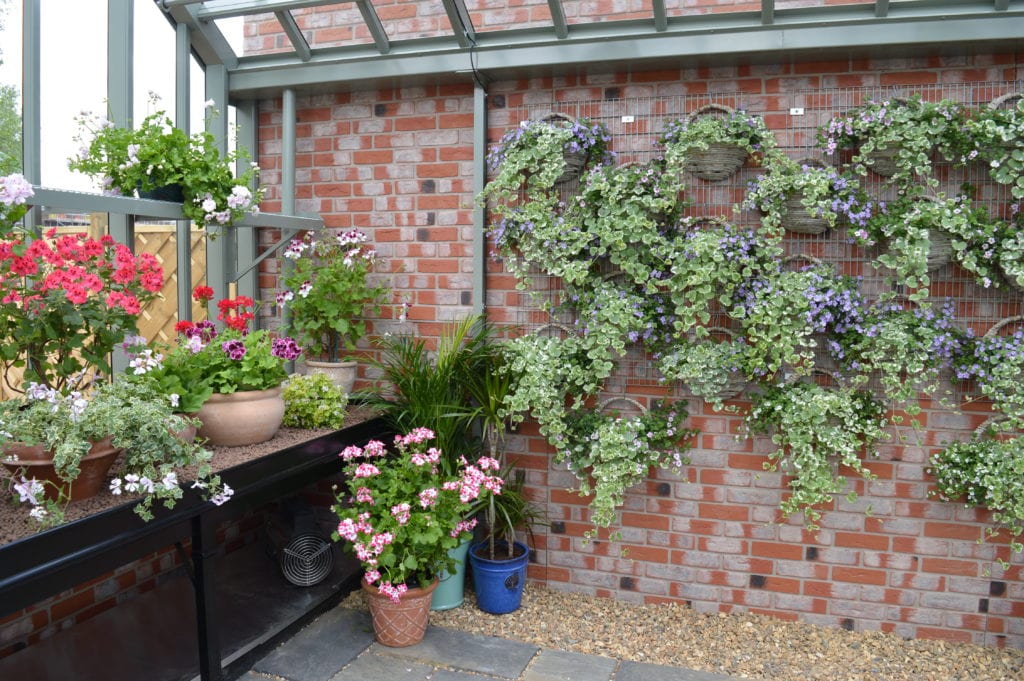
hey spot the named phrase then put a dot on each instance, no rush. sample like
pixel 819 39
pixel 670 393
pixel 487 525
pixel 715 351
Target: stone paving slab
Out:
pixel 468 652
pixel 370 667
pixel 559 665
pixel 320 650
pixel 641 671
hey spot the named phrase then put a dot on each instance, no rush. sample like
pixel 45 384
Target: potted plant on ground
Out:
pixel 156 155
pixel 400 514
pixel 499 561
pixel 327 292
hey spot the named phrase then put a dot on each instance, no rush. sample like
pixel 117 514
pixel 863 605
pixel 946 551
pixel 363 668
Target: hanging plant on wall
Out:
pixel 715 141
pixel 609 452
pixel 817 429
pixel 896 138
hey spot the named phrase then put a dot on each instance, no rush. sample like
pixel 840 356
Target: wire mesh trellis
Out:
pixel 795 119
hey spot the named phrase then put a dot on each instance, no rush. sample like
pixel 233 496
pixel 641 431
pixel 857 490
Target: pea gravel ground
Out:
pixel 743 645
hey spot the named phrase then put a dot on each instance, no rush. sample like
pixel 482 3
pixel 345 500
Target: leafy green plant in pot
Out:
pixel 156 155
pixel 327 292
pixel 401 515
pixel 427 388
pixel 499 561
pixel 59 447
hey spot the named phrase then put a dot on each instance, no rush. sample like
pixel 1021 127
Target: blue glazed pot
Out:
pixel 499 583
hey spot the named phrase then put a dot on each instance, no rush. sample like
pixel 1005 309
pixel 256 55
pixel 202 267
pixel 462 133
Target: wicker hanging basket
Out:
pixel 603 404
pixel 574 160
pixel 883 161
pixel 1005 321
pixel 940 249
pixel 720 160
pixel 798 220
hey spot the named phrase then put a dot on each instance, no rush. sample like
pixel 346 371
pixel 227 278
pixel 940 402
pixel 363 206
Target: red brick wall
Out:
pixel 398 164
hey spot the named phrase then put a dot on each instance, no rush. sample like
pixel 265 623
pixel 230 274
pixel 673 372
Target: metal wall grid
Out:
pixel 634 124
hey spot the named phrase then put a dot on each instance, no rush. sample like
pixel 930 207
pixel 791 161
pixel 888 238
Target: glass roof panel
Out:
pixel 491 16
pixel 333 25
pixel 263 35
pixel 588 12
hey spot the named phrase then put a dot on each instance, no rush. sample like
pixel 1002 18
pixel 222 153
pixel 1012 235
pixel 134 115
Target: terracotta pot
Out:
pixel 342 374
pixel 242 418
pixel 37 462
pixel 401 624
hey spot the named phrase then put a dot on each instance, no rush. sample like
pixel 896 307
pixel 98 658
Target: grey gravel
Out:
pixel 740 645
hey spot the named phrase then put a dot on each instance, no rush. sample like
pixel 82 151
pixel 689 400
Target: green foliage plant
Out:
pixel 998 136
pixel 422 388
pixel 135 417
pixel 816 429
pixel 909 128
pixel 985 472
pixel 681 137
pixel 313 401
pixel 908 349
pixel 609 453
pixel 156 154
pixel 400 514
pixel 329 289
pixel 823 192
pixel 909 226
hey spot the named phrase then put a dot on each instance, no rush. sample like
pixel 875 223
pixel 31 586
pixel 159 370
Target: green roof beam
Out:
pixel 881 8
pixel 376 28
pixel 660 16
pixel 558 18
pixel 767 12
pixel 291 29
pixel 462 25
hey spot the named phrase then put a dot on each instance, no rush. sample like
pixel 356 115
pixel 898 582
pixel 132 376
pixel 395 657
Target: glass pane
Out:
pixel 10 88
pixel 154 61
pixel 72 80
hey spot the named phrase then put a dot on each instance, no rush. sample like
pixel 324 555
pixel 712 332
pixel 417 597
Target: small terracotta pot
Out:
pixel 401 624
